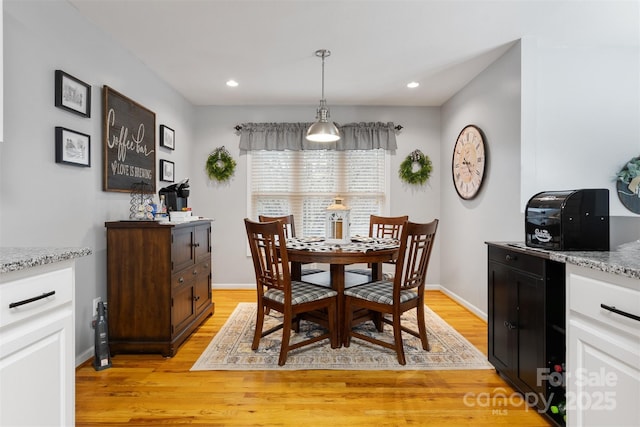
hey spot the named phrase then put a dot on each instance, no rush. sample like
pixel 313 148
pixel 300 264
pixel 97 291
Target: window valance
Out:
pixel 291 136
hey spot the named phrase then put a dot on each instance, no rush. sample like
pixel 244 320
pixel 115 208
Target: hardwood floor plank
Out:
pixel 149 390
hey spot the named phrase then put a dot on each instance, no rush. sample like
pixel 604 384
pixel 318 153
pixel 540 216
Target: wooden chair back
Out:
pixel 288 223
pixel 386 226
pixel 416 244
pixel 270 260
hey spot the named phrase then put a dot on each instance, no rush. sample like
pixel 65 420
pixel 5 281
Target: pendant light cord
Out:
pixel 323 55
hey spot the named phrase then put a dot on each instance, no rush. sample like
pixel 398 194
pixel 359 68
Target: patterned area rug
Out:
pixel 230 349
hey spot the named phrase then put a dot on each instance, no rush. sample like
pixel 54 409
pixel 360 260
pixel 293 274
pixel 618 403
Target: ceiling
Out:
pixel 377 46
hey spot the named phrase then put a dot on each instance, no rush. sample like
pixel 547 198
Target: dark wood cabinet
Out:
pixel 526 317
pixel 158 284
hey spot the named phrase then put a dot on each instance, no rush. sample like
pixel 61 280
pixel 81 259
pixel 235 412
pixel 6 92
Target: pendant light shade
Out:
pixel 323 130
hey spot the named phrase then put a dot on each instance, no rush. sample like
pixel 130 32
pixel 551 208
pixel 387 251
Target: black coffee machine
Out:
pixel 175 195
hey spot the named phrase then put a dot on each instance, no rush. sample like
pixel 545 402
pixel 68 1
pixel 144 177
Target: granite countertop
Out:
pixel 624 261
pixel 14 259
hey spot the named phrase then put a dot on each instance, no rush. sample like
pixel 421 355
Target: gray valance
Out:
pixel 291 136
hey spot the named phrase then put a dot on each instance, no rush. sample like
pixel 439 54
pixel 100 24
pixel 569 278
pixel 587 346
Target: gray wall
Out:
pixel 492 102
pixel 48 204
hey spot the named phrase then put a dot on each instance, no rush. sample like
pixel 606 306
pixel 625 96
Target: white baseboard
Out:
pixel 84 356
pixel 222 286
pixel 457 298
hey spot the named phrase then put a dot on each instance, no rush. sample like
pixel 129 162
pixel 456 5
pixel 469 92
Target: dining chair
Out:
pixel 288 223
pixel 276 290
pixel 289 227
pixel 403 293
pixel 388 227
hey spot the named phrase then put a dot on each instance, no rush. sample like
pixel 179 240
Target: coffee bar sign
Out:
pixel 129 144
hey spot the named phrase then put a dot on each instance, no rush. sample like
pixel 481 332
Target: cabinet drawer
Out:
pixel 514 259
pixel 191 273
pixel 57 285
pixel 587 295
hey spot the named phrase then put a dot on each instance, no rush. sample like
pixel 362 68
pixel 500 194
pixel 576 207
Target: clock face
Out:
pixel 469 160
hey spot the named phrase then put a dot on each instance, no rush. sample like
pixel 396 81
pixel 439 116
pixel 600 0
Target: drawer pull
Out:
pixel 620 312
pixel 181 279
pixel 30 300
pixel 511 257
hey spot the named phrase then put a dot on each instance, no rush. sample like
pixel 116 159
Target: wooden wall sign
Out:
pixel 129 131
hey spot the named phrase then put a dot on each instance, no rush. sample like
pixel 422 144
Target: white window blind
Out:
pixel 304 183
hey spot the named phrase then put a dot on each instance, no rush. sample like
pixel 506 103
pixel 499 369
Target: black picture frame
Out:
pixel 72 94
pixel 129 143
pixel 167 171
pixel 167 137
pixel 73 148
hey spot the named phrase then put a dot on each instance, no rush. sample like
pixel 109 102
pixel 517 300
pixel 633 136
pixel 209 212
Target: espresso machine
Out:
pixel 175 195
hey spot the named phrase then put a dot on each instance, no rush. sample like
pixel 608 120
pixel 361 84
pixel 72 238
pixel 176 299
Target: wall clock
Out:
pixel 469 159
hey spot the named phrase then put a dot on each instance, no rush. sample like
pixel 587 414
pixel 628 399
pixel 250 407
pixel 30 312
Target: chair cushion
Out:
pixel 301 292
pixel 380 292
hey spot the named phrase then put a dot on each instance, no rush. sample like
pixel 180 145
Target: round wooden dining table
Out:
pixel 338 259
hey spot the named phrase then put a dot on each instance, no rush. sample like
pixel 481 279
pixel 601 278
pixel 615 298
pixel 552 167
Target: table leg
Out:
pixel 376 271
pixel 337 284
pixel 296 270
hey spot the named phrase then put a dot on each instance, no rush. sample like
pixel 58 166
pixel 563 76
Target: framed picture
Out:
pixel 167 137
pixel 72 148
pixel 72 94
pixel 167 171
pixel 129 143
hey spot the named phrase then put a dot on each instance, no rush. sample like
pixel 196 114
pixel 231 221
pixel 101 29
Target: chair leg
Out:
pixel 259 322
pixel 286 336
pixel 397 338
pixel 422 328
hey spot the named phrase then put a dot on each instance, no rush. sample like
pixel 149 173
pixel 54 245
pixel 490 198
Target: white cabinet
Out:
pixel 603 349
pixel 37 372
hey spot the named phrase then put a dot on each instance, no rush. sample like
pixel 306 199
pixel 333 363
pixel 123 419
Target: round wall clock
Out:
pixel 469 159
pixel 628 185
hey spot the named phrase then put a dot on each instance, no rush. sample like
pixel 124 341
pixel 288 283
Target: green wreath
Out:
pixel 421 175
pixel 220 165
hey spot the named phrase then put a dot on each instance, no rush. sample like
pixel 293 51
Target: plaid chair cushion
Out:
pixel 380 292
pixel 301 292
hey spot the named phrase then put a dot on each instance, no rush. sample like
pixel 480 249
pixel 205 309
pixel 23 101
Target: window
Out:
pixel 304 183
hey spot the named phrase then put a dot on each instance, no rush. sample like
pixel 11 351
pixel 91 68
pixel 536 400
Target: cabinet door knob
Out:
pixel 181 280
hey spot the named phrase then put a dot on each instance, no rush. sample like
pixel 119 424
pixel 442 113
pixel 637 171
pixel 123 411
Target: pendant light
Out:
pixel 323 130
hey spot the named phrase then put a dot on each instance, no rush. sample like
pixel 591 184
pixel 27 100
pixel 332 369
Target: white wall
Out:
pixel 227 202
pixel 492 102
pixel 43 203
pixel 581 117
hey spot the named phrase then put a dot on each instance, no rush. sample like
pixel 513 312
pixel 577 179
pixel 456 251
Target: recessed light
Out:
pixel 413 85
pixel 232 83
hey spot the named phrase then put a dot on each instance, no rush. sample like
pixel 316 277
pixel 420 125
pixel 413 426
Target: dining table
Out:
pixel 371 251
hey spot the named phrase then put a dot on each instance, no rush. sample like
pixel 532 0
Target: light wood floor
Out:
pixel 151 390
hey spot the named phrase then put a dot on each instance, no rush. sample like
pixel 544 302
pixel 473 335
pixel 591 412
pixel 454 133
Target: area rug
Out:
pixel 230 349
